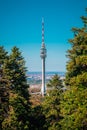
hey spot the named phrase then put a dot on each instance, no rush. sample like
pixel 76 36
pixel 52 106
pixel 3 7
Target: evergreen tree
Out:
pixel 55 82
pixel 51 109
pixel 77 65
pixel 74 109
pixel 51 104
pixel 37 119
pixel 74 101
pixel 4 95
pixel 15 72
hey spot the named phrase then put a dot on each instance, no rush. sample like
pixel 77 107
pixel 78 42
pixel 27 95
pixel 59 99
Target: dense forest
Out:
pixel 60 109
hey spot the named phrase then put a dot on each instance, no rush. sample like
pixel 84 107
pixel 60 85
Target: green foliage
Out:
pixel 51 103
pixel 55 82
pixel 51 109
pixel 14 72
pixel 4 95
pixel 3 55
pixel 74 109
pixel 18 115
pixel 74 100
pixel 77 64
pixel 37 119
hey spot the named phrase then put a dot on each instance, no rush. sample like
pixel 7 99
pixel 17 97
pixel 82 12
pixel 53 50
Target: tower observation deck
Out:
pixel 43 54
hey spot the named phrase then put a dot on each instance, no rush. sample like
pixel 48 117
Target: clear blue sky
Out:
pixel 20 25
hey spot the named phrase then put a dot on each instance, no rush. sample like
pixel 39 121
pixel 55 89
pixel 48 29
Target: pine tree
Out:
pixel 51 103
pixel 37 119
pixel 51 109
pixel 74 101
pixel 74 109
pixel 15 72
pixel 77 65
pixel 4 95
pixel 55 82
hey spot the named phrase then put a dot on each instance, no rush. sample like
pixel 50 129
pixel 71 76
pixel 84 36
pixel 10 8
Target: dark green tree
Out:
pixel 74 109
pixel 51 103
pixel 4 95
pixel 74 101
pixel 15 72
pixel 55 82
pixel 37 119
pixel 51 109
pixel 77 64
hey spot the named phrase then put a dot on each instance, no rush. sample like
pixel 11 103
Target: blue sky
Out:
pixel 21 24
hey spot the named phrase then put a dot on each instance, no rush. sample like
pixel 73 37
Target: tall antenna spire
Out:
pixel 43 54
pixel 43 31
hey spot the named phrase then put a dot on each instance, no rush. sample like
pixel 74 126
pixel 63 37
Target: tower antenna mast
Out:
pixel 42 30
pixel 43 55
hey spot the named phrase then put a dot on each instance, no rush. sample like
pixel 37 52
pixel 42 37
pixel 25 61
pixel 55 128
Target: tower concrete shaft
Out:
pixel 43 89
pixel 43 56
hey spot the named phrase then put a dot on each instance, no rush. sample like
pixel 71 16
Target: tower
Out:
pixel 43 56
